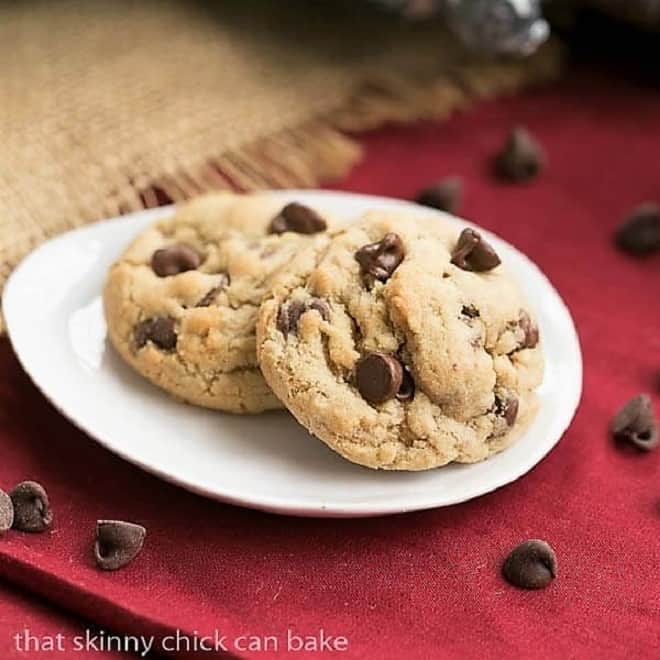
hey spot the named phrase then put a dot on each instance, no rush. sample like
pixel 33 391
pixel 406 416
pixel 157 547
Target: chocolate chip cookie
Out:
pixel 403 344
pixel 181 303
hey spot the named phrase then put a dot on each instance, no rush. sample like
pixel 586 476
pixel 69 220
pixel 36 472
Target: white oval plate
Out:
pixel 53 311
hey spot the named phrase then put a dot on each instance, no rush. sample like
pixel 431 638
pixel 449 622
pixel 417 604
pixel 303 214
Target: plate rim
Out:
pixel 278 504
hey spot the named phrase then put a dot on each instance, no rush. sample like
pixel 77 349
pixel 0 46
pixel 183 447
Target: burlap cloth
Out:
pixel 108 107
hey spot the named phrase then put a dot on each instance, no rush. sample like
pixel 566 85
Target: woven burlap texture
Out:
pixel 108 107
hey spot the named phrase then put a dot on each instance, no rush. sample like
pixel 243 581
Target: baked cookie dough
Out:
pixel 181 303
pixel 403 344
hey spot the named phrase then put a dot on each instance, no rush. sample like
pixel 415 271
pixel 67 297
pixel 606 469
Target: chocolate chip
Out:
pixel 382 258
pixel 6 512
pixel 530 330
pixel 445 195
pixel 211 295
pixel 378 377
pixel 174 259
pixel 289 313
pixel 510 410
pixel 636 423
pixel 159 330
pixel 505 408
pixel 406 390
pixel 639 235
pixel 298 218
pixel 473 253
pixel 32 512
pixel 531 565
pixel 521 158
pixel 321 306
pixel 117 543
pixel 470 311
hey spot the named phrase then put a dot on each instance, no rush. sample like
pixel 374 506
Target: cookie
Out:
pixel 403 344
pixel 181 303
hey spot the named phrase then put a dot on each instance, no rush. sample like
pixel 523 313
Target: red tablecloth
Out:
pixel 428 584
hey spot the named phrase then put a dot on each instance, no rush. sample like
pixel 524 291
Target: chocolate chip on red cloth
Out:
pixel 521 158
pixel 639 234
pixel 636 423
pixel 211 295
pixel 32 512
pixel 6 512
pixel 445 195
pixel 117 543
pixel 382 258
pixel 174 259
pixel 407 388
pixel 297 218
pixel 159 330
pixel 531 331
pixel 289 313
pixel 379 377
pixel 473 253
pixel 531 565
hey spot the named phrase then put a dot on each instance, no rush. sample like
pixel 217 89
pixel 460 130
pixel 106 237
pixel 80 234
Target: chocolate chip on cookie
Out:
pixel 297 218
pixel 159 330
pixel 521 158
pixel 507 408
pixel 406 390
pixel 530 330
pixel 289 313
pixel 444 195
pixel 640 233
pixel 473 253
pixel 117 543
pixel 382 258
pixel 32 512
pixel 636 423
pixel 379 377
pixel 211 295
pixel 531 565
pixel 174 259
pixel 470 311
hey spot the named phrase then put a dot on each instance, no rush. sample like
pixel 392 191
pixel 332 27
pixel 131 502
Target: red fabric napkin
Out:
pixel 427 584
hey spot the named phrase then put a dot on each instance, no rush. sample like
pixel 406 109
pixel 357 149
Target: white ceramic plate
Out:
pixel 53 311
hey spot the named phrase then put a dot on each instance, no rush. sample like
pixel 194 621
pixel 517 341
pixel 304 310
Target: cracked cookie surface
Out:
pixel 181 303
pixel 402 344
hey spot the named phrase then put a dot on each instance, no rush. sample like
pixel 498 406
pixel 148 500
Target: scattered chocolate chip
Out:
pixel 473 253
pixel 378 377
pixel 636 423
pixel 159 330
pixel 531 338
pixel 406 390
pixel 117 543
pixel 289 313
pixel 211 295
pixel 639 235
pixel 382 258
pixel 6 512
pixel 470 311
pixel 531 565
pixel 521 158
pixel 32 512
pixel 174 259
pixel 445 195
pixel 298 218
